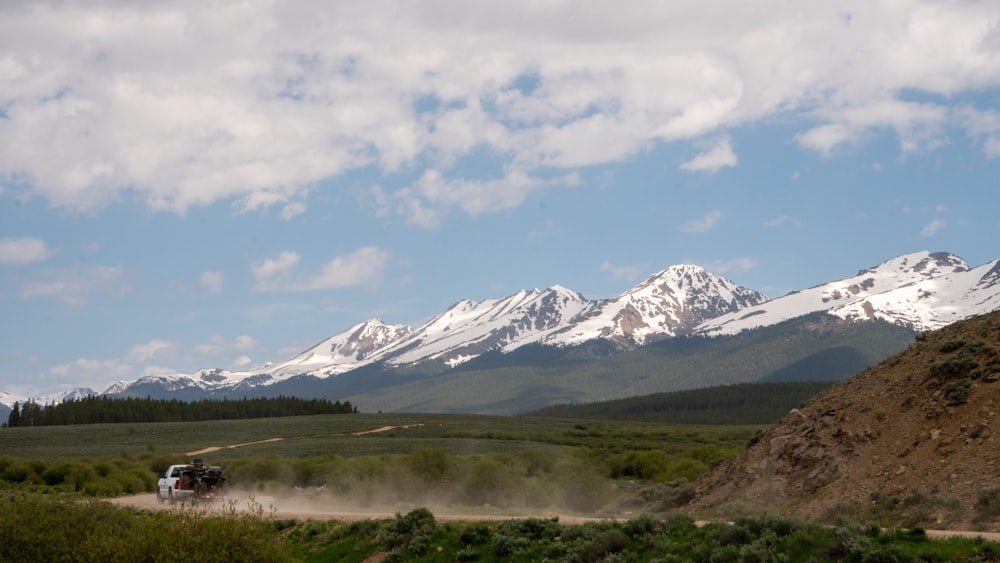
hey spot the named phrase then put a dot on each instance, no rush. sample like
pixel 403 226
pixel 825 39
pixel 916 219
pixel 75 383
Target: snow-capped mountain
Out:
pixel 669 303
pixel 8 399
pixel 873 285
pixel 932 303
pixel 921 290
pixel 665 304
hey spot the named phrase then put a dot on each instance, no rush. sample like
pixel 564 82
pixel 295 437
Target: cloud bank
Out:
pixel 182 103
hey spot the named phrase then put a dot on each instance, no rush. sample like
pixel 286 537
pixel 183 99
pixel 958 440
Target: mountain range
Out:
pixel 917 292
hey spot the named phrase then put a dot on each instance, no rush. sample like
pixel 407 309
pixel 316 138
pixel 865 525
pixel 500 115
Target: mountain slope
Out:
pixel 933 302
pixel 911 441
pixel 893 275
pixel 666 304
pixel 546 376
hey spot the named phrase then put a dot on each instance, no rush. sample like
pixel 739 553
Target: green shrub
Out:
pixel 962 365
pixel 988 505
pixel 957 392
pixel 475 534
pixel 62 528
pixel 411 532
pixel 951 346
pixel 430 464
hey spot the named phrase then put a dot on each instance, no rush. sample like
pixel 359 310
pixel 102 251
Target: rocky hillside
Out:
pixel 914 440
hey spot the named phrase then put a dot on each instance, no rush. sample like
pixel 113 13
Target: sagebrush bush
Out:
pixel 988 505
pixel 69 528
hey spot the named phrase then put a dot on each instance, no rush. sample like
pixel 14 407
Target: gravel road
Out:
pixel 288 509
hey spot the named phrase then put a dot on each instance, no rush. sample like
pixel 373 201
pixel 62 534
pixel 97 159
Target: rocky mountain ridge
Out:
pixel 669 303
pixel 921 290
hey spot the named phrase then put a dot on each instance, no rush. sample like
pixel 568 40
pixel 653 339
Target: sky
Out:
pixel 189 184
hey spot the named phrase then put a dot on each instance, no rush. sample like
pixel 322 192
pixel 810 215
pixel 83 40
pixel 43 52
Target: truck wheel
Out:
pixel 159 497
pixel 170 496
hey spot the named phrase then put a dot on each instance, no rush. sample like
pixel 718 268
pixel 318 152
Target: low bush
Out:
pixel 988 505
pixel 100 478
pixel 68 528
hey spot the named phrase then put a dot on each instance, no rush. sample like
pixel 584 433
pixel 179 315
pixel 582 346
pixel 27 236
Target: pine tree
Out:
pixel 15 416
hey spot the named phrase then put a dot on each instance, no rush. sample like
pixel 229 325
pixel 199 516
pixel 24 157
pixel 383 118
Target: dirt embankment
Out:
pixel 915 437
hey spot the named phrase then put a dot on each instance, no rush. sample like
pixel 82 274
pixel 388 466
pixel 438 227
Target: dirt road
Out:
pixel 291 508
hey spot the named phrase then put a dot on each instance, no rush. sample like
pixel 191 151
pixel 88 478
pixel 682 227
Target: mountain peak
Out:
pixel 920 264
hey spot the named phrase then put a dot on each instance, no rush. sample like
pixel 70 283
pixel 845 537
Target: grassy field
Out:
pixel 319 435
pixel 580 466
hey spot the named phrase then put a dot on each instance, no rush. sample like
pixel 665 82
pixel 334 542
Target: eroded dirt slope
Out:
pixel 911 441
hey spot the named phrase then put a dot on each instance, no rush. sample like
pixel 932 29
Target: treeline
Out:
pixel 103 409
pixel 745 403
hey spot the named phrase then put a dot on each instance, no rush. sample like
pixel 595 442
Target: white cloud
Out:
pixel 212 281
pixel 217 345
pixel 145 353
pixel 627 273
pixel 427 201
pixel 271 273
pixel 825 138
pixel 292 209
pixel 74 286
pixel 84 369
pixel 720 155
pixel 932 228
pixel 782 220
pixel 185 104
pixel 723 267
pixel 21 251
pixel 242 362
pixel 364 267
pixel 704 224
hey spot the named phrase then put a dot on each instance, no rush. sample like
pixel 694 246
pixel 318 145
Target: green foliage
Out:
pixel 910 509
pixel 409 535
pixel 959 366
pixel 796 350
pixel 968 360
pixel 416 536
pixel 92 477
pixel 65 528
pixel 744 403
pixel 957 392
pixel 95 409
pixel 988 505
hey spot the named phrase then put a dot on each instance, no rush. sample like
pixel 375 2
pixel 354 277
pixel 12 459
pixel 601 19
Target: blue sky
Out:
pixel 184 186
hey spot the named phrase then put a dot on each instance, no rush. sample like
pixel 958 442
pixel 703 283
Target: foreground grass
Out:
pixel 66 528
pixel 37 527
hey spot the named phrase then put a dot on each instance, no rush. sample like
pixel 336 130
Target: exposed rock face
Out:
pixel 921 425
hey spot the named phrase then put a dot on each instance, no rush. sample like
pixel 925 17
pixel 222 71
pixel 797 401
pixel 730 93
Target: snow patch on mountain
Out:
pixel 8 399
pixel 666 304
pixel 355 347
pixel 903 271
pixel 932 303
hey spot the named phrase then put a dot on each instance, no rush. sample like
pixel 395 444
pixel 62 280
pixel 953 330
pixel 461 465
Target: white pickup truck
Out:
pixel 191 482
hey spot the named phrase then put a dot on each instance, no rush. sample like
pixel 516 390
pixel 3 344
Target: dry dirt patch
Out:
pixel 211 449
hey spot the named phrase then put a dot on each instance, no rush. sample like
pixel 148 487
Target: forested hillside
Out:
pixel 815 347
pixel 104 409
pixel 745 403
